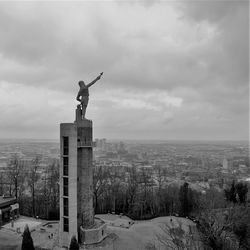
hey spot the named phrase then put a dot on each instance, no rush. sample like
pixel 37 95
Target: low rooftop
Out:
pixel 6 200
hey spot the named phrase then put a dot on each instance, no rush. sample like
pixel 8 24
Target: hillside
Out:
pixel 159 233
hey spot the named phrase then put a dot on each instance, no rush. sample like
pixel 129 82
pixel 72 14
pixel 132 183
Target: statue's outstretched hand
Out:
pixel 99 77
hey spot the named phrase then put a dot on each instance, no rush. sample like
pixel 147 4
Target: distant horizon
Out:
pixel 129 140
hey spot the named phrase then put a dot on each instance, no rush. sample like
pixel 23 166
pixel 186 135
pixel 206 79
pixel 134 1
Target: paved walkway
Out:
pixel 9 240
pixel 20 224
pixel 141 235
pixel 44 233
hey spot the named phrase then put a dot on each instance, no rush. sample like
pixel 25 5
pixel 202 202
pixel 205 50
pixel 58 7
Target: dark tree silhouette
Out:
pixel 27 243
pixel 241 190
pixel 185 197
pixel 73 244
pixel 231 193
pixel 227 194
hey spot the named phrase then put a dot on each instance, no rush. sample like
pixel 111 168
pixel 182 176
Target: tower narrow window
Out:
pixel 65 145
pixel 65 166
pixel 65 207
pixel 65 186
pixel 65 224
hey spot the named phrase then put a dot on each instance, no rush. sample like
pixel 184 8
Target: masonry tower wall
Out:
pixel 85 174
pixel 76 184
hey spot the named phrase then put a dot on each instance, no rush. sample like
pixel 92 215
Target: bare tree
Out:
pixel 146 197
pixel 160 178
pixel 15 175
pixel 33 177
pixel 53 182
pixel 50 190
pixel 114 180
pixel 100 175
pixel 216 229
pixel 174 237
pixel 132 187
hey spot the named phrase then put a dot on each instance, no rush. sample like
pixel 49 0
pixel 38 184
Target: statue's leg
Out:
pixel 83 110
pixel 85 101
pixel 79 107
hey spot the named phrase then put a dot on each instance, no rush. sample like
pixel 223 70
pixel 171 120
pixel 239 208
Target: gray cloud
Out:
pixel 196 52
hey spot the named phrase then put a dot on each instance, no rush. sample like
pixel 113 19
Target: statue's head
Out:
pixel 81 83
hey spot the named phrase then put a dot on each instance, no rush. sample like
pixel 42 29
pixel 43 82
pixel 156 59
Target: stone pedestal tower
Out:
pixel 76 184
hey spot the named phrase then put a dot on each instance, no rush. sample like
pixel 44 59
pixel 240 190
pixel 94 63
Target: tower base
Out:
pixel 95 234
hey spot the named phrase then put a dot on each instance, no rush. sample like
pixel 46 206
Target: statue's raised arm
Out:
pixel 83 93
pixel 97 78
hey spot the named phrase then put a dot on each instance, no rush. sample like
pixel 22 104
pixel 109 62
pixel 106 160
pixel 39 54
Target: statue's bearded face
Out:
pixel 81 83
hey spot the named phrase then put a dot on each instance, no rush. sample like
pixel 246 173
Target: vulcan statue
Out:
pixel 83 93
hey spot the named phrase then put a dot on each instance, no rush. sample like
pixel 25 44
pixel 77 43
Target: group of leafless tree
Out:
pixel 141 194
pixel 35 187
pixel 223 221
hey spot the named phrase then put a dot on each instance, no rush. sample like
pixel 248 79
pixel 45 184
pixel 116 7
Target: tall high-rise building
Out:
pixel 225 163
pixel 76 184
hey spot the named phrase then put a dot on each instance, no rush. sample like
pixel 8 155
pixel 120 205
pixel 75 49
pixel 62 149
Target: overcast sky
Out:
pixel 172 70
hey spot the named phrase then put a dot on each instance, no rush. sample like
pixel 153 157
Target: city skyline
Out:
pixel 172 70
